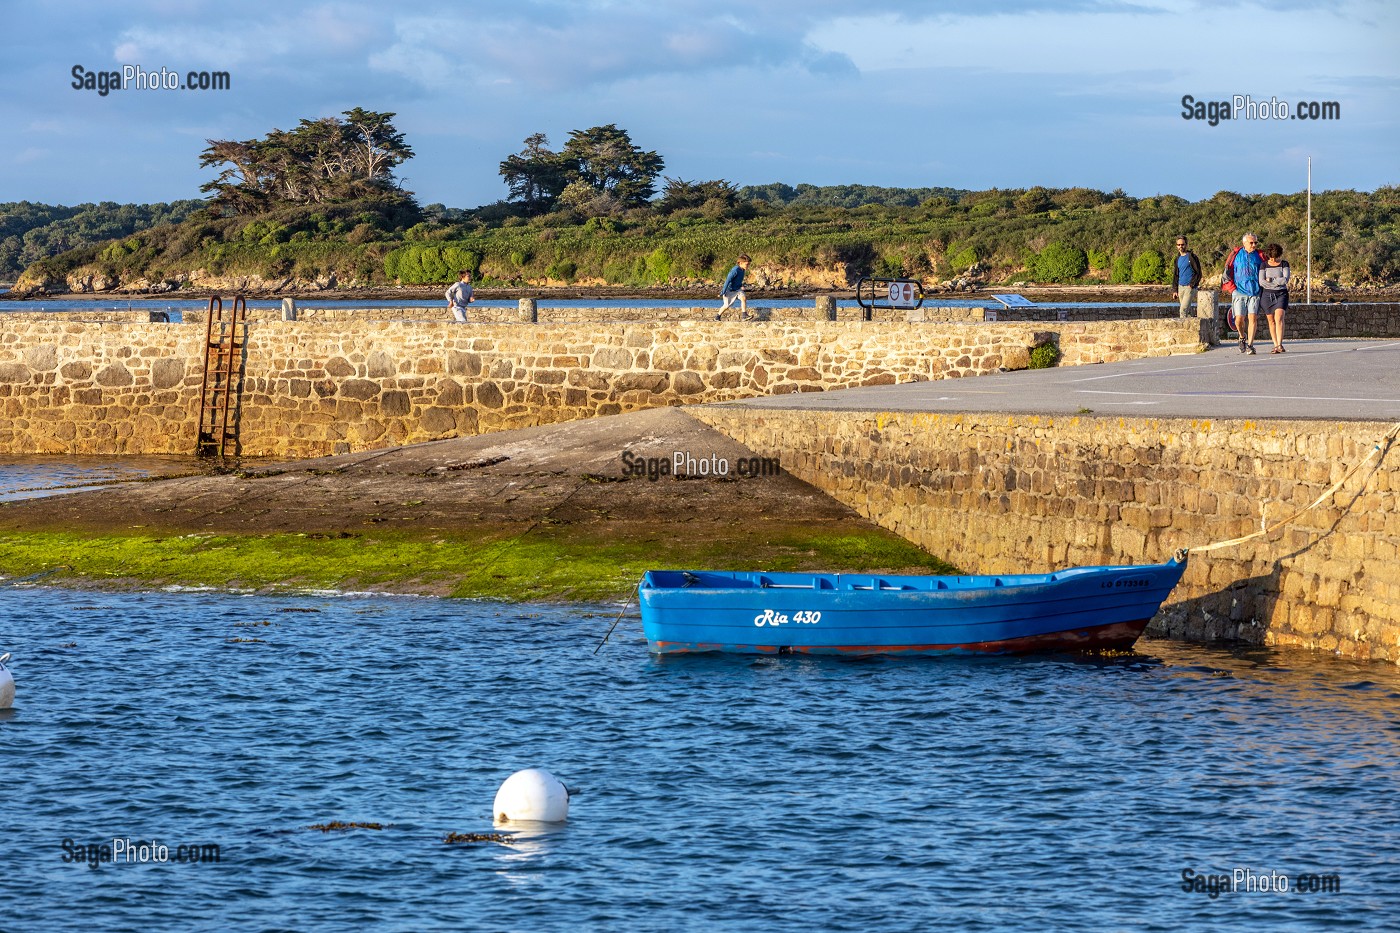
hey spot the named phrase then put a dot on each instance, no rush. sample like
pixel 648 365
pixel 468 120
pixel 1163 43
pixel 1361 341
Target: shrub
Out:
pixel 889 267
pixel 564 269
pixel 1122 272
pixel 1045 356
pixel 363 233
pixel 658 265
pixel 615 273
pixel 962 257
pixel 1059 262
pixel 1099 258
pixel 1149 268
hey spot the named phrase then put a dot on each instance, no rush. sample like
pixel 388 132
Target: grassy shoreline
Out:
pixel 543 566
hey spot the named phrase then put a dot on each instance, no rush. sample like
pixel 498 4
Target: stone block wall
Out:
pixel 88 316
pixel 79 387
pixel 1303 321
pixel 1019 493
pixel 316 388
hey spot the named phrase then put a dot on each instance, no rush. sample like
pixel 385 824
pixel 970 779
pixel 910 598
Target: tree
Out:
pixel 1034 201
pixel 320 162
pixel 679 194
pixel 537 175
pixel 604 158
pixel 376 148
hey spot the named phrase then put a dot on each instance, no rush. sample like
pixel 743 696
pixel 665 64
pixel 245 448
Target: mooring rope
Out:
pixel 1379 448
pixel 615 621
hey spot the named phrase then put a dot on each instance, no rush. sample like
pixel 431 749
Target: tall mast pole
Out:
pixel 1308 297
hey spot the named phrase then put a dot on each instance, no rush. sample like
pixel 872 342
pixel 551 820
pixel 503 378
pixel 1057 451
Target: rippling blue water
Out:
pixel 33 477
pixel 716 793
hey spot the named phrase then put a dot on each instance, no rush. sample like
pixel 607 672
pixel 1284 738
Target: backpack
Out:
pixel 1227 280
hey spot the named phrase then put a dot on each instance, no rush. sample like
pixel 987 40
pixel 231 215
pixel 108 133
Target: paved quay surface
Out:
pixel 1336 380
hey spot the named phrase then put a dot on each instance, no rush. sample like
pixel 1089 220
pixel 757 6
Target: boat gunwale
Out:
pixel 845 582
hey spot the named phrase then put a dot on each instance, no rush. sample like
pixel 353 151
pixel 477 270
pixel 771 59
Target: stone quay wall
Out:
pixel 1341 319
pixel 314 388
pixel 1019 493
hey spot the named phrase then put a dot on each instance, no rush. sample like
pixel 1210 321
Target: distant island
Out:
pixel 319 207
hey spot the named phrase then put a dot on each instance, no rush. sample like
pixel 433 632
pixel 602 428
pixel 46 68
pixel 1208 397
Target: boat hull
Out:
pixel 1080 609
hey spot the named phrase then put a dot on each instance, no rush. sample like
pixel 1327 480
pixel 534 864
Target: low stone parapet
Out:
pixel 311 388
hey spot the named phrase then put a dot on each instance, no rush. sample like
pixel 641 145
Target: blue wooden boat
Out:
pixel 1079 609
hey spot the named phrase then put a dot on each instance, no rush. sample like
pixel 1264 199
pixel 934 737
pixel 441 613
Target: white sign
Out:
pixel 903 295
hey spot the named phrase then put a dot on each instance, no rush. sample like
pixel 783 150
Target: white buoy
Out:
pixel 533 794
pixel 7 683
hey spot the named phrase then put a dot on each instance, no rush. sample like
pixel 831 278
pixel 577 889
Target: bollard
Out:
pixel 289 309
pixel 1205 310
pixel 826 307
pixel 529 311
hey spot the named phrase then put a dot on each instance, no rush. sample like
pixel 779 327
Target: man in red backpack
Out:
pixel 1242 283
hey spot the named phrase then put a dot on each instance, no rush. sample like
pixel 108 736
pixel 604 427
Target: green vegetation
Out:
pixel 543 565
pixel 1149 266
pixel 1045 356
pixel 1058 262
pixel 321 199
pixel 30 232
pixel 1356 239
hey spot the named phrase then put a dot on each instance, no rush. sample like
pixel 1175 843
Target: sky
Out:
pixel 965 94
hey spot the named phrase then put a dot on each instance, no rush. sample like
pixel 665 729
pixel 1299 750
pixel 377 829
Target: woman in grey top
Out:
pixel 1273 292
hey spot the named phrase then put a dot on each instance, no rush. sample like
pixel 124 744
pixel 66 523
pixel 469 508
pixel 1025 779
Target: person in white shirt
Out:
pixel 459 295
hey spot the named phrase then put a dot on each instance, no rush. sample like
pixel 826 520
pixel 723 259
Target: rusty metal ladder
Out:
pixel 224 341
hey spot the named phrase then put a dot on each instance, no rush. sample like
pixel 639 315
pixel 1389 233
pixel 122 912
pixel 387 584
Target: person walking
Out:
pixel 1242 271
pixel 734 289
pixel 1273 292
pixel 1187 275
pixel 459 295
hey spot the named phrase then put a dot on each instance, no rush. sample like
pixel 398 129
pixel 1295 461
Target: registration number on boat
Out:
pixel 801 617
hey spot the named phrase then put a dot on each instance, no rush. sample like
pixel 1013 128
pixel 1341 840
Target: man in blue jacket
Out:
pixel 1186 275
pixel 734 288
pixel 1245 274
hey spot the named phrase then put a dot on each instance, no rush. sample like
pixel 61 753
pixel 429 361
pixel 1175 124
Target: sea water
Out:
pixel 33 477
pixel 711 792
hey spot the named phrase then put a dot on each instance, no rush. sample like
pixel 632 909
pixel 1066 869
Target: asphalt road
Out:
pixel 1336 380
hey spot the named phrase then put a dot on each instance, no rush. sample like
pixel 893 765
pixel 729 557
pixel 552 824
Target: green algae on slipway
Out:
pixel 541 565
